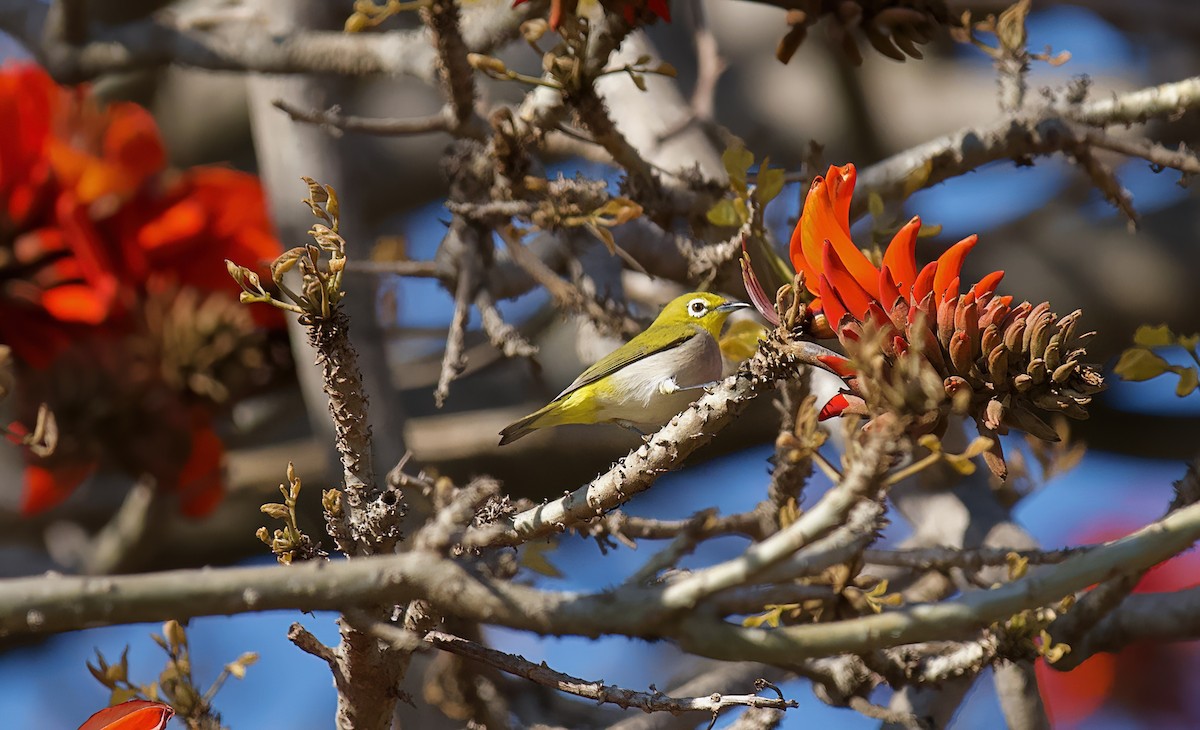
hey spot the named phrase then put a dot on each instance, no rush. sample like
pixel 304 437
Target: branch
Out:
pixel 602 693
pixel 171 37
pixel 637 472
pixel 945 558
pixel 335 122
pixel 1045 132
pixel 58 603
pixel 1140 617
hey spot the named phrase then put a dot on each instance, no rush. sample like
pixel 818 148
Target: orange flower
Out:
pixel 976 353
pixel 845 282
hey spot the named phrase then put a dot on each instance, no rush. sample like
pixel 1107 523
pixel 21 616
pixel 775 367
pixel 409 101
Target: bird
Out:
pixel 649 379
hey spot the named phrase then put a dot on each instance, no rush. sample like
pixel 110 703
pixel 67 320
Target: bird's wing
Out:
pixel 636 349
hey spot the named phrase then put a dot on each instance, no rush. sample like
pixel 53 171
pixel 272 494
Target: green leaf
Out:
pixel 737 160
pixel 1188 341
pixel 1148 336
pixel 741 210
pixel 1138 364
pixel 1188 380
pixel 875 205
pixel 768 184
pixel 723 214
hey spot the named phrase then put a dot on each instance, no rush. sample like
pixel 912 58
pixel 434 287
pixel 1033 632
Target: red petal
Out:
pixel 924 282
pixel 831 304
pixel 826 218
pixel 661 8
pixel 949 264
pixel 900 345
pixel 901 255
pixel 988 284
pixel 837 365
pixel 889 292
pixel 131 715
pixel 46 488
pixel 834 407
pixel 853 295
pixel 199 484
pixel 951 291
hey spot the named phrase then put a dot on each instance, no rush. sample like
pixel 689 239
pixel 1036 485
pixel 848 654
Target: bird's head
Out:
pixel 704 309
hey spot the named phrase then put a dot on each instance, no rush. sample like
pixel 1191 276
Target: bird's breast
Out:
pixel 634 393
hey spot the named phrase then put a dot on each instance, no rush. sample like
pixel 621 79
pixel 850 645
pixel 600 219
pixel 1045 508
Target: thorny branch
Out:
pixel 653 701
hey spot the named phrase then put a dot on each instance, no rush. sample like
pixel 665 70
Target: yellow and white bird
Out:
pixel 649 379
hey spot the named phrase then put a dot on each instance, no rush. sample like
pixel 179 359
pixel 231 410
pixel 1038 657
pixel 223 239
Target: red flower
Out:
pixel 97 228
pixel 131 715
pixel 1149 680
pixel 631 10
pixel 846 282
pixel 975 353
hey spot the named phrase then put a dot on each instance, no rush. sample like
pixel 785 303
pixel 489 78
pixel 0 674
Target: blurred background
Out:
pixel 1045 225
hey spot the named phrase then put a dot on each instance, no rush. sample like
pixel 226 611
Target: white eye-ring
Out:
pixel 697 307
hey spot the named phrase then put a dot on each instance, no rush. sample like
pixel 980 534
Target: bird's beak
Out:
pixel 732 306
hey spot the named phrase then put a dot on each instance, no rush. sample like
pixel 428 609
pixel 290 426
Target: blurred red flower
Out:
pixel 1148 680
pixel 92 227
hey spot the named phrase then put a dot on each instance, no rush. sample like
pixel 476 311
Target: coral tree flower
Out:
pixel 95 229
pixel 631 10
pixel 1000 363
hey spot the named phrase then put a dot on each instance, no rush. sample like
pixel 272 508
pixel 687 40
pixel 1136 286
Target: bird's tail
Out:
pixel 524 426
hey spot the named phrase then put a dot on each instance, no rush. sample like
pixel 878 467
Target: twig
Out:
pixel 167 38
pixel 1044 132
pixel 863 480
pixel 1182 159
pixel 415 269
pixel 757 719
pixel 306 642
pixel 453 361
pixel 944 558
pixel 602 693
pixel 455 73
pixel 1140 617
pixel 886 715
pixel 335 122
pixel 503 336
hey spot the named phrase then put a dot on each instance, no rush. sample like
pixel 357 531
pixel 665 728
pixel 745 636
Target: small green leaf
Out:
pixel 769 184
pixel 1138 364
pixel 741 210
pixel 1148 336
pixel 929 231
pixel 1188 341
pixel 723 214
pixel 1188 380
pixel 737 160
pixel 917 177
pixel 875 205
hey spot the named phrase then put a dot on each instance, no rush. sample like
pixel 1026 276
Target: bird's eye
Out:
pixel 697 307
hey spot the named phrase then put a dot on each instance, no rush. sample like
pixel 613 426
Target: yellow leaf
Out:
pixel 740 341
pixel 769 183
pixel 917 177
pixel 1148 336
pixel 737 160
pixel 875 205
pixel 1188 341
pixel 723 213
pixel 741 210
pixel 1188 381
pixel 533 557
pixel 1139 364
